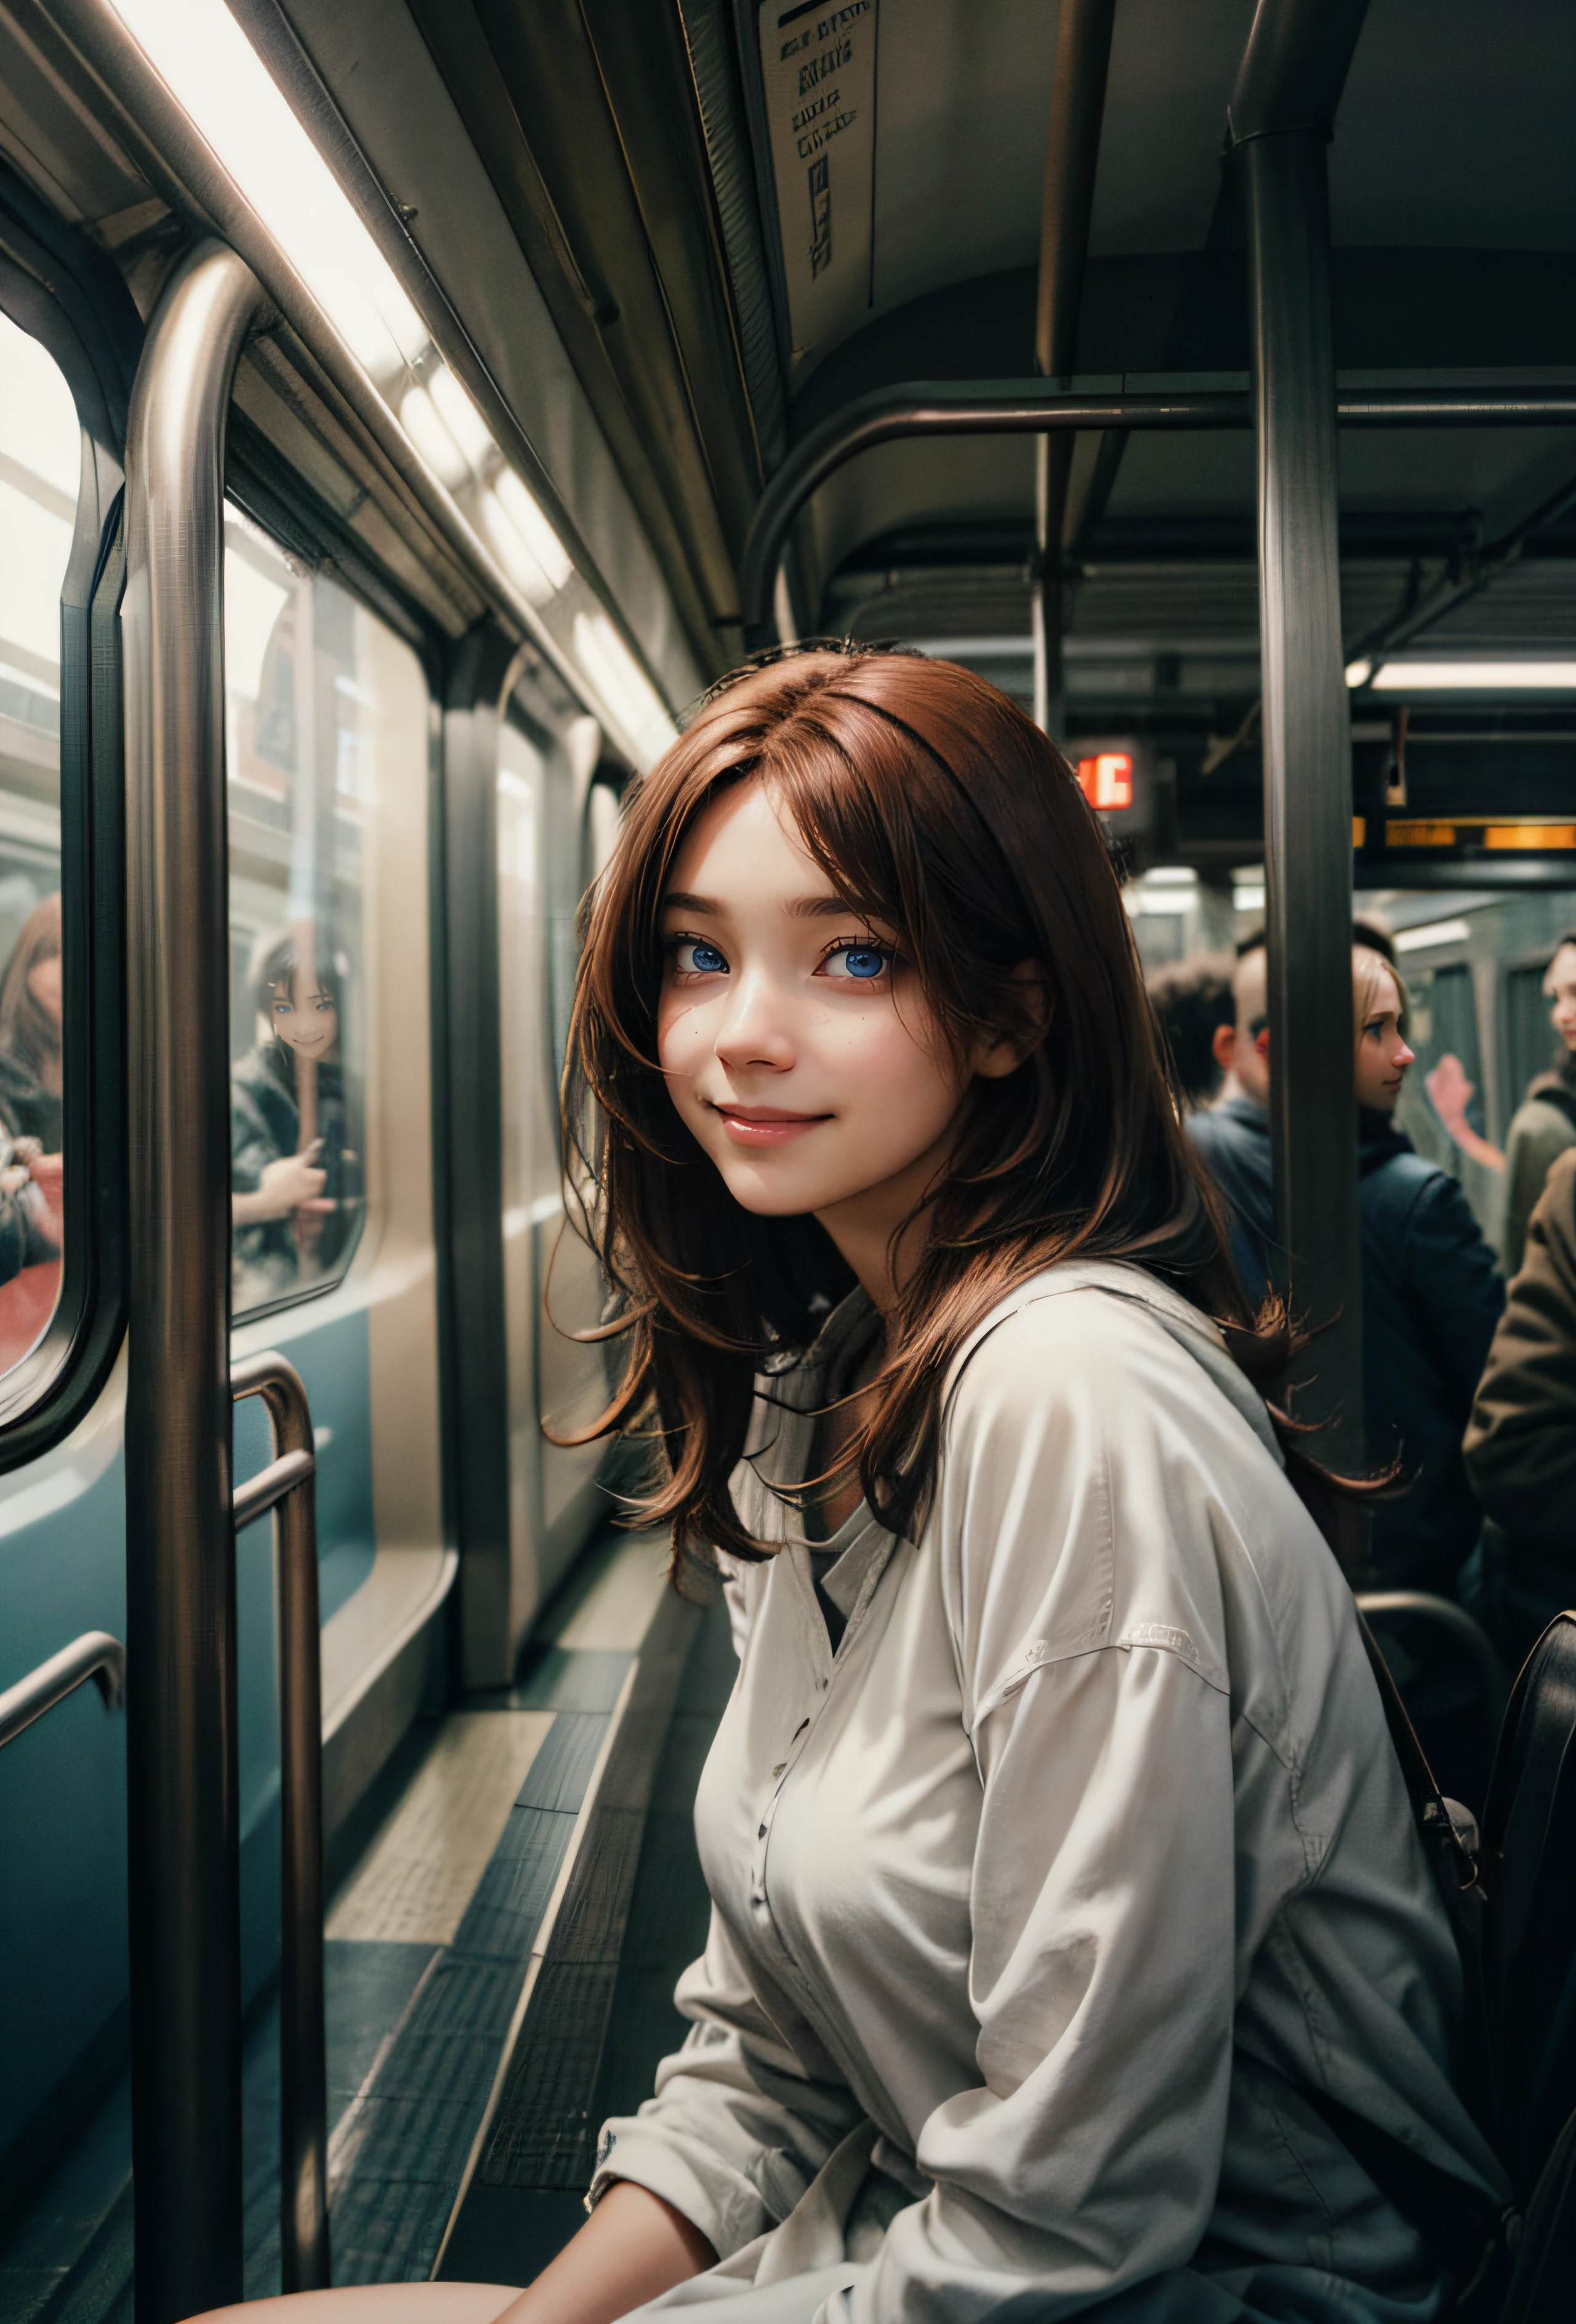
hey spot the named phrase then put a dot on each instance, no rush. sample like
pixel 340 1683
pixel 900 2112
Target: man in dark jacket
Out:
pixel 1521 1443
pixel 1233 1138
pixel 1431 1293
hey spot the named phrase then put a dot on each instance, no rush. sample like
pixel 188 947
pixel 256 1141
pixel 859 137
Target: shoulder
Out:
pixel 1100 1470
pixel 1539 1122
pixel 1099 1362
pixel 1403 1183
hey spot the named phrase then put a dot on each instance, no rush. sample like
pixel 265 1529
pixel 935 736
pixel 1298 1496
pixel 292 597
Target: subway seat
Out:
pixel 374 2303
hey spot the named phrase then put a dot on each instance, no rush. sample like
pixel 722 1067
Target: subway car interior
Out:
pixel 408 409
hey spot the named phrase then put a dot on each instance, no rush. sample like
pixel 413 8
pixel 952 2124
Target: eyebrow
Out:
pixel 804 907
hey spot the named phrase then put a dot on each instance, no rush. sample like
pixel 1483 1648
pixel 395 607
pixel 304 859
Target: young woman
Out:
pixel 1432 1296
pixel 294 1166
pixel 1062 1871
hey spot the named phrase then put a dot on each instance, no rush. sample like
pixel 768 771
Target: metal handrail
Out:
pixel 93 1656
pixel 1445 1614
pixel 287 1485
pixel 1034 407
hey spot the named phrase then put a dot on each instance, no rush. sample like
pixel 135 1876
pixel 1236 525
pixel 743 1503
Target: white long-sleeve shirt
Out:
pixel 1084 1853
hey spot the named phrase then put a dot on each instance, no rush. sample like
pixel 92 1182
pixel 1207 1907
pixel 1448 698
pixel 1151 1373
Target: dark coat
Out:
pixel 1521 1444
pixel 1233 1142
pixel 1432 1296
pixel 265 1126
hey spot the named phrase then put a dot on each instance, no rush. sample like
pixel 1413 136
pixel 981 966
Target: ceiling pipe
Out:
pixel 1482 566
pixel 1029 407
pixel 1078 104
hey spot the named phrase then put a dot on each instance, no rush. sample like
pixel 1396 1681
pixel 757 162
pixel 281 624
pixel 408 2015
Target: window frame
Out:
pixel 66 295
pixel 244 1317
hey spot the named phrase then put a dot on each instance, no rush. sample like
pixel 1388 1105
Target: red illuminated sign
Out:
pixel 1105 779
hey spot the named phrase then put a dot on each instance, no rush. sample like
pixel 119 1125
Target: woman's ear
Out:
pixel 993 1060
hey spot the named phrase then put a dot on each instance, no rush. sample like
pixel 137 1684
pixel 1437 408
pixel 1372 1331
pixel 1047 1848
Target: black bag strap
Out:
pixel 1453 1857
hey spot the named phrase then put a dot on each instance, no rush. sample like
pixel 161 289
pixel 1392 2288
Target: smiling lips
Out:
pixel 766 1125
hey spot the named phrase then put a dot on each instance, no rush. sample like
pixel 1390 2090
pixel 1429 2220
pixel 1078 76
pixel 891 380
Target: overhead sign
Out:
pixel 818 65
pixel 1118 779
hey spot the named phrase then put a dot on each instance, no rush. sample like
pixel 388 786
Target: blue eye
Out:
pixel 693 958
pixel 861 962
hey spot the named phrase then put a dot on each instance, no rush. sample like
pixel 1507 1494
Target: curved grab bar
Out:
pixel 287 1485
pixel 93 1656
pixel 1446 1615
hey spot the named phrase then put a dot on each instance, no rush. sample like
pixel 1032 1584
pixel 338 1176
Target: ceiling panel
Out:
pixel 1455 128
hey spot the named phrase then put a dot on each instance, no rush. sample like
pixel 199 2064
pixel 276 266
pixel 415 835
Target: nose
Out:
pixel 754 1030
pixel 1405 1056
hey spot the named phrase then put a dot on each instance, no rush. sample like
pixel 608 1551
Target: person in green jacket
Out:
pixel 1544 1124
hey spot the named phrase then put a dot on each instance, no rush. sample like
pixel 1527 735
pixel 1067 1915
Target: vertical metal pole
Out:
pixel 1078 101
pixel 1307 769
pixel 180 1615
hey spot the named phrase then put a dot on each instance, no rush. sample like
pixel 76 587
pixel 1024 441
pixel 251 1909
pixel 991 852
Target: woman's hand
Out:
pixel 1451 1093
pixel 292 1183
pixel 633 2246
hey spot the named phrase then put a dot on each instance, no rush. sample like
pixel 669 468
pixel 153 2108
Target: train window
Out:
pixel 1532 1045
pixel 306 677
pixel 39 465
pixel 1441 1022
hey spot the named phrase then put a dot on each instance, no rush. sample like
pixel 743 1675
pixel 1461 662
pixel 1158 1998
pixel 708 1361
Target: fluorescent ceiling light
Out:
pixel 1486 676
pixel 1247 900
pixel 1436 932
pixel 213 71
pixel 420 419
pixel 208 62
pixel 533 529
pixel 613 670
pixel 1172 875
pixel 1357 673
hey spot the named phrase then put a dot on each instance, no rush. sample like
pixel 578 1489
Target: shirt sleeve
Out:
pixel 736 2129
pixel 1102 1888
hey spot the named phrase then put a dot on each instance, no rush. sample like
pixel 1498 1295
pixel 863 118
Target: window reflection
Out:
pixel 39 465
pixel 299 657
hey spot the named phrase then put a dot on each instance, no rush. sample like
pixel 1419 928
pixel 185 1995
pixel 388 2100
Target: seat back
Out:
pixel 1529 1922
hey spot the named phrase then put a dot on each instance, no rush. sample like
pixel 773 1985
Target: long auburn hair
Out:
pixel 933 804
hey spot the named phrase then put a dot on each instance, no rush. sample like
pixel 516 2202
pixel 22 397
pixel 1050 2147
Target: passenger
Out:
pixel 1521 1444
pixel 1063 1870
pixel 1190 999
pixel 294 1195
pixel 1544 1124
pixel 31 1079
pixel 1232 1139
pixel 1432 1296
pixel 32 1133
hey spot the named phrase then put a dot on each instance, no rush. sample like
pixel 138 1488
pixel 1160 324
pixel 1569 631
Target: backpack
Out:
pixel 1511 1896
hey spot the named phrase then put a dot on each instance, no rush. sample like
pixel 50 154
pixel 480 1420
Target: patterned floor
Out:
pixel 430 1937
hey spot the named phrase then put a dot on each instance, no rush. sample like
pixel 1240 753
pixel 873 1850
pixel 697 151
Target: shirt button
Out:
pixel 777 1770
pixel 762 1833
